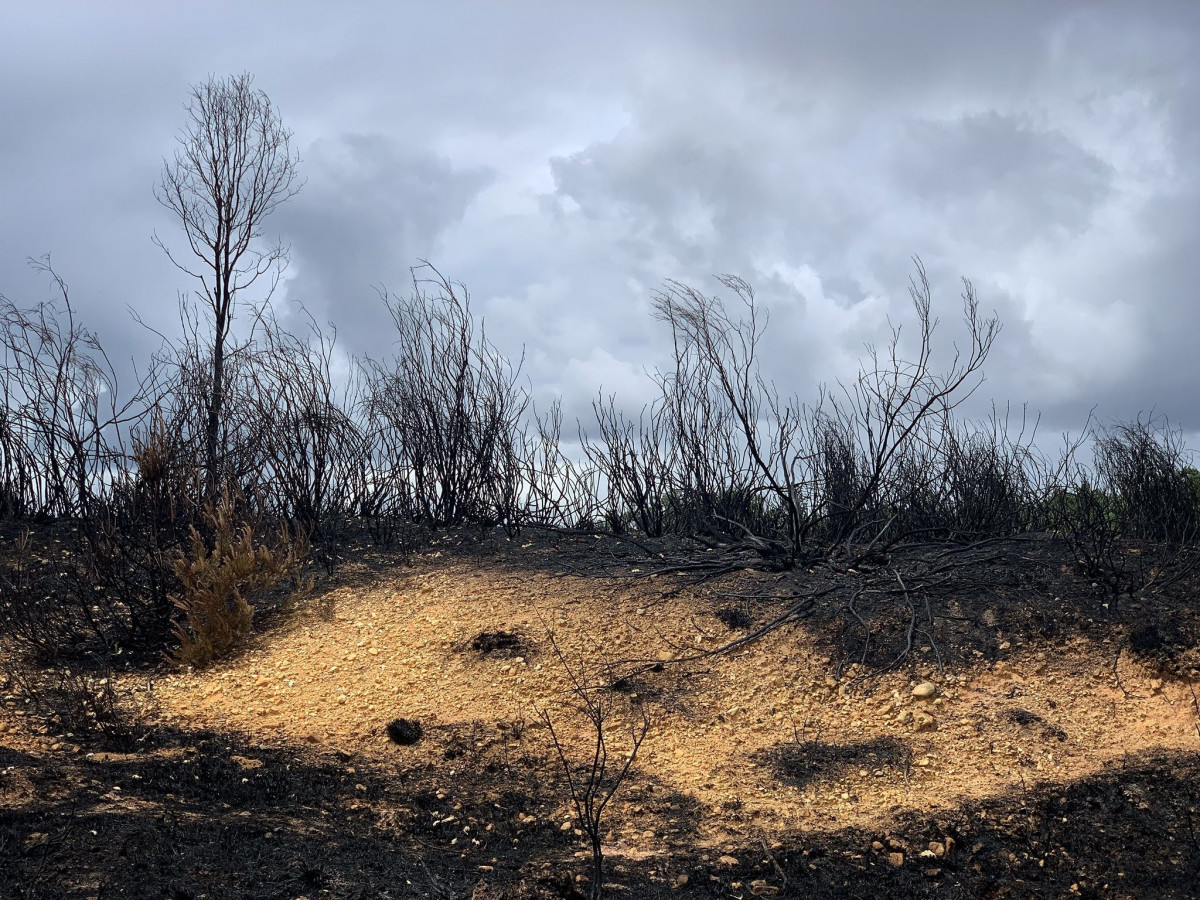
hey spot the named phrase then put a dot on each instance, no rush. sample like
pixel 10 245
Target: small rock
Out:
pixel 680 881
pixel 937 848
pixel 896 859
pixel 830 682
pixel 1155 685
pixel 924 690
pixel 727 860
pixel 923 721
pixel 876 845
pixel 566 826
pixel 904 716
pixel 761 888
pixel 1004 645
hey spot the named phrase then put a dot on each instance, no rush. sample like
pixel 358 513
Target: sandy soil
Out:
pixel 730 731
pixel 1056 753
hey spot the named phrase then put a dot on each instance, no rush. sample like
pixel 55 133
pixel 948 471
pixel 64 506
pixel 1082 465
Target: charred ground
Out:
pixel 179 809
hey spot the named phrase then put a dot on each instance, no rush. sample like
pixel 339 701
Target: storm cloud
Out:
pixel 563 160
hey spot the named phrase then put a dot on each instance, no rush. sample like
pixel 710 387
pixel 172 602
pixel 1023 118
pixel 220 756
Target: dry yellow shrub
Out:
pixel 217 582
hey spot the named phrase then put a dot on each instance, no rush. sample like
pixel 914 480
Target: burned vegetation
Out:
pixel 149 529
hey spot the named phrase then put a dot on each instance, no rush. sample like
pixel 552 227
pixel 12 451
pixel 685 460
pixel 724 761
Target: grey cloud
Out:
pixel 370 209
pixel 563 160
pixel 999 167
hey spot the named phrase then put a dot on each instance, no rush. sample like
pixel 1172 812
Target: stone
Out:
pixel 876 846
pixel 680 881
pixel 904 716
pixel 923 721
pixel 896 859
pixel 761 888
pixel 728 860
pixel 924 690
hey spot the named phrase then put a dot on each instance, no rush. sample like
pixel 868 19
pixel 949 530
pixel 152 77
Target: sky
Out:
pixel 564 160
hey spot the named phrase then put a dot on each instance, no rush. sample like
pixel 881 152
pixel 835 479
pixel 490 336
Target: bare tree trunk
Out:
pixel 234 167
pixel 213 425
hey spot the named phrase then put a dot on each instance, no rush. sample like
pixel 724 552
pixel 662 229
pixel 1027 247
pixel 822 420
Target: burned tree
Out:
pixel 235 165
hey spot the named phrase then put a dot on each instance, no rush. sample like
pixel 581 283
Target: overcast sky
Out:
pixel 563 159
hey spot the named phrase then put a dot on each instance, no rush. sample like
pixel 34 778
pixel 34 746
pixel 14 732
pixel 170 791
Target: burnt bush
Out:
pixel 1138 489
pixel 63 413
pixel 314 452
pixel 723 453
pixel 81 700
pixel 444 414
pixel 505 643
pixel 1142 465
pixel 734 617
pixel 404 732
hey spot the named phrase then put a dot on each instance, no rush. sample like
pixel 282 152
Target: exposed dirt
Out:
pixel 1057 755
